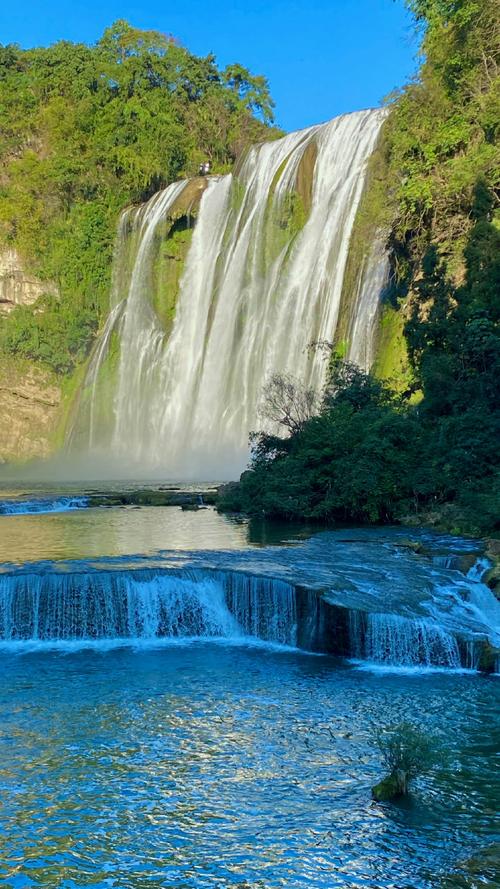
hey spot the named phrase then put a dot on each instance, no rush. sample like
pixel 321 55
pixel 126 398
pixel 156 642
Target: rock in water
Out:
pixel 391 787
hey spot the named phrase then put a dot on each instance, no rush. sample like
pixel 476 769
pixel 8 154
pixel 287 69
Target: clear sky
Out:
pixel 322 57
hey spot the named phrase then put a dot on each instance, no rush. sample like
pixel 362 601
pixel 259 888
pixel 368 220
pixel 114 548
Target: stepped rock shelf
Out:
pixel 148 605
pixel 368 595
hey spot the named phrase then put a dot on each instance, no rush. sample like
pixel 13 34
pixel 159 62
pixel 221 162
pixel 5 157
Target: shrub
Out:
pixel 407 753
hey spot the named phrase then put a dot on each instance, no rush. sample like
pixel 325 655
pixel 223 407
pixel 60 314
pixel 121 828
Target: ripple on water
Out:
pixel 218 766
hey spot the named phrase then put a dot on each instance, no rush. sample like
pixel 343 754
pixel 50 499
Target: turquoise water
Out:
pixel 210 765
pixel 231 759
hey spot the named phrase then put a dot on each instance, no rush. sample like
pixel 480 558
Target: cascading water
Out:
pixel 262 280
pixel 119 605
pixel 33 505
pixel 144 606
pixel 393 640
pixel 372 281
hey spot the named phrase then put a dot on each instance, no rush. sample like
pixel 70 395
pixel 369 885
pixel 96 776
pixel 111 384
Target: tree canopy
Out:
pixel 86 130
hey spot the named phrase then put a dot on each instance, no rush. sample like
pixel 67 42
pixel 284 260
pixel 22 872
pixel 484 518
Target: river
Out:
pixel 178 710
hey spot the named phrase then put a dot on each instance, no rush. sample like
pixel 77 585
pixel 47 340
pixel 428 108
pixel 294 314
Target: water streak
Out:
pixel 263 279
pixel 42 505
pixel 394 640
pixel 144 605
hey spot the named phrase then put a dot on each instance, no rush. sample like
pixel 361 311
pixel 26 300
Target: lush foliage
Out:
pixel 377 461
pixel 442 135
pixel 372 454
pixel 85 130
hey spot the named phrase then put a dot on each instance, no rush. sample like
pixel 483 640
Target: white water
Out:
pixel 30 505
pixel 252 298
pixel 371 283
pixel 144 606
pixel 398 641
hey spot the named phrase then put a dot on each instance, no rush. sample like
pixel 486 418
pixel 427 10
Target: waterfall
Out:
pixel 146 605
pixel 451 562
pixel 372 280
pixel 479 569
pixel 262 279
pixel 393 640
pixel 44 504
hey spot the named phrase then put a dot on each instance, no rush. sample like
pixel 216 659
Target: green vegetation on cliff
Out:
pixel 424 439
pixel 87 130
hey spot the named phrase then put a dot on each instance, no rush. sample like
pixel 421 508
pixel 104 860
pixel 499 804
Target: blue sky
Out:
pixel 322 57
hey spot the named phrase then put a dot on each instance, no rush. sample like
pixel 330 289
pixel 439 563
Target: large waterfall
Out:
pixel 180 386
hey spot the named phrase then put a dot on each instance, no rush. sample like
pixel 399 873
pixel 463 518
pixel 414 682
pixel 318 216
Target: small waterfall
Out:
pixel 393 640
pixel 262 280
pixel 144 605
pixel 150 604
pixel 449 562
pixel 264 608
pixel 479 569
pixel 24 506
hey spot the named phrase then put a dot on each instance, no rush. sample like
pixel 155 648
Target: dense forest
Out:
pixel 380 450
pixel 87 130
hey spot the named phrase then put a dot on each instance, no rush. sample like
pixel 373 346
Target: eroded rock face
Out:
pixel 29 409
pixel 17 286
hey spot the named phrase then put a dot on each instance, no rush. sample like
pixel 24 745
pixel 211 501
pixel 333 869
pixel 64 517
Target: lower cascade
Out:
pixel 179 368
pixel 144 605
pixel 148 605
pixel 399 641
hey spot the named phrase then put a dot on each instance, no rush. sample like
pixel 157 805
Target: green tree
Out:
pixel 86 130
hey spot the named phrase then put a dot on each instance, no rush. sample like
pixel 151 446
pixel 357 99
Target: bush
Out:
pixel 407 753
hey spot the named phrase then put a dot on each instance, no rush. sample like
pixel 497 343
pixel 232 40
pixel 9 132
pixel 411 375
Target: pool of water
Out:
pixel 59 525
pixel 210 765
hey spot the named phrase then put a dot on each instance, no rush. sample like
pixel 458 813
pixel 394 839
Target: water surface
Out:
pixel 216 766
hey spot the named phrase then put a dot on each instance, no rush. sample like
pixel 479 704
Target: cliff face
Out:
pixel 17 286
pixel 30 396
pixel 30 401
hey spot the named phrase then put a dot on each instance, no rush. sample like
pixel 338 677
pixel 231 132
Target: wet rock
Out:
pixel 416 546
pixel 153 497
pixel 488 658
pixel 492 576
pixel 391 787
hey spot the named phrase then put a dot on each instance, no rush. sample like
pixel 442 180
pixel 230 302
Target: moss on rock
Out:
pixel 391 361
pixel 169 267
pixel 391 787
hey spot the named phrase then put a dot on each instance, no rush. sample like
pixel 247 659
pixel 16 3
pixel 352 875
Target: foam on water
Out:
pixel 144 606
